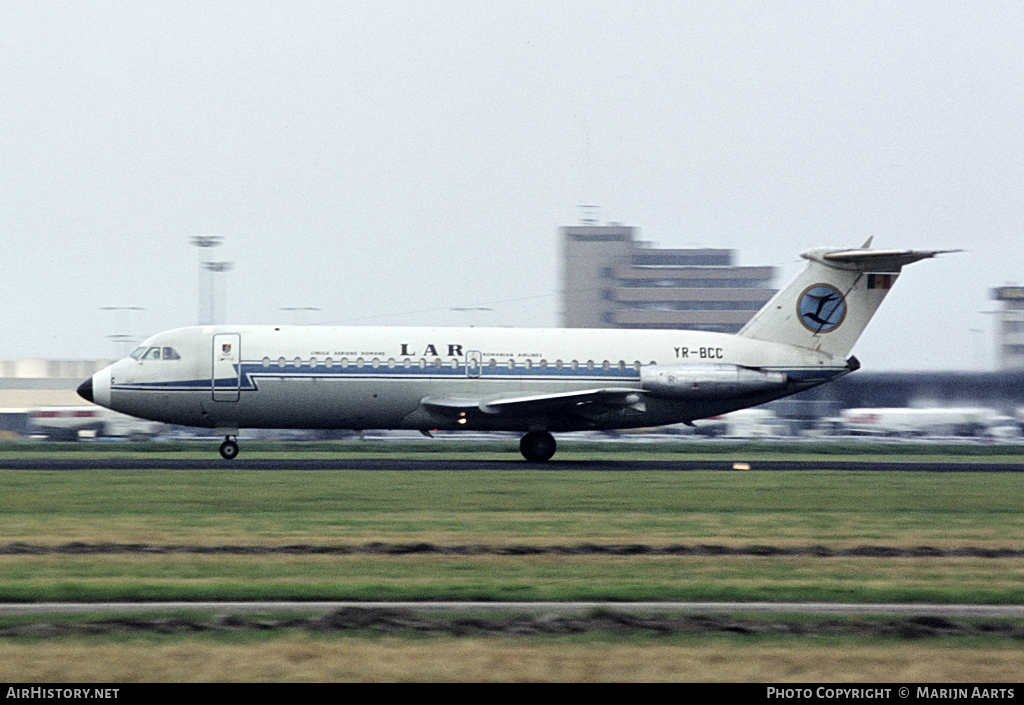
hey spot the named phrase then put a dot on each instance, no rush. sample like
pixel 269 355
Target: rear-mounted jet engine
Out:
pixel 705 381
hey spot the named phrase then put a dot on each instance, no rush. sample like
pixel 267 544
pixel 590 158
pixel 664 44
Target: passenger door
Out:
pixel 227 366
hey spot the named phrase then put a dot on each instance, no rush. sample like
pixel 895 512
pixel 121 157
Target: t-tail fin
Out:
pixel 829 304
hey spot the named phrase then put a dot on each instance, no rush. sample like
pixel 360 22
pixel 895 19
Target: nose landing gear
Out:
pixel 229 449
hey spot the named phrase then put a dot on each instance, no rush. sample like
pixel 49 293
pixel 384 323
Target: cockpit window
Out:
pixel 156 354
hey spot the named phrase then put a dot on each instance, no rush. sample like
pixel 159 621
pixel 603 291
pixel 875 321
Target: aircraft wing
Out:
pixel 575 403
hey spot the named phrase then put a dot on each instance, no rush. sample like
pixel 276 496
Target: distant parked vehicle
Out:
pixel 72 423
pixel 966 421
pixel 747 424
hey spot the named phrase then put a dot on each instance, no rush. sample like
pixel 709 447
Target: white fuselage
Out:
pixel 230 377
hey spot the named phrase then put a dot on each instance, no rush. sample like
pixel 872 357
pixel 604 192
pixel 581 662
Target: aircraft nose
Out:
pixel 85 390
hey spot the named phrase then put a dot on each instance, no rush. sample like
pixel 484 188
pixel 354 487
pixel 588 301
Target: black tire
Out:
pixel 229 450
pixel 537 446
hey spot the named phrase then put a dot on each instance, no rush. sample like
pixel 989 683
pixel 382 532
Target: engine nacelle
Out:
pixel 708 381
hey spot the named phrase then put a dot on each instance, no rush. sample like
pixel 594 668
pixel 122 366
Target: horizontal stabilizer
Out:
pixel 872 260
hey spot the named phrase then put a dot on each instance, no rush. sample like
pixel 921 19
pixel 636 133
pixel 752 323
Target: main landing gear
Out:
pixel 537 446
pixel 229 449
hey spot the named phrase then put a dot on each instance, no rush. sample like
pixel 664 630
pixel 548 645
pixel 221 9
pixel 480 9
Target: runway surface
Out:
pixel 513 463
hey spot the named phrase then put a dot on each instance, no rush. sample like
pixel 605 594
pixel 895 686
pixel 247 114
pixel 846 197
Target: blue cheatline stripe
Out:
pixel 253 372
pixel 445 369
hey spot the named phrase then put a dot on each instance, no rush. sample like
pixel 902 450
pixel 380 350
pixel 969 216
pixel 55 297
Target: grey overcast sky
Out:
pixel 387 162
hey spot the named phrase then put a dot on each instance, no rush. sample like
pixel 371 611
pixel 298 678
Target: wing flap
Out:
pixel 532 404
pixel 542 402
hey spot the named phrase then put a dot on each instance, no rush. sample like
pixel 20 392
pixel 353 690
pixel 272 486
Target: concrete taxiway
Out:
pixel 565 608
pixel 513 463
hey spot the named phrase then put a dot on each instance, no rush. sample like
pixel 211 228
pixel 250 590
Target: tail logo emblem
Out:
pixel 822 308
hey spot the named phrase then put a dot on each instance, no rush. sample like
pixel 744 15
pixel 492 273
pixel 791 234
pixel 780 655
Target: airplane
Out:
pixel 533 381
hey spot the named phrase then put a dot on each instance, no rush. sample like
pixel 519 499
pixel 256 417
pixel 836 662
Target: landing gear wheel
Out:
pixel 229 450
pixel 537 446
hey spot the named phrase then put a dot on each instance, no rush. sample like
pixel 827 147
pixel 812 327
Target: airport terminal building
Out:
pixel 27 384
pixel 613 280
pixel 30 382
pixel 1010 322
